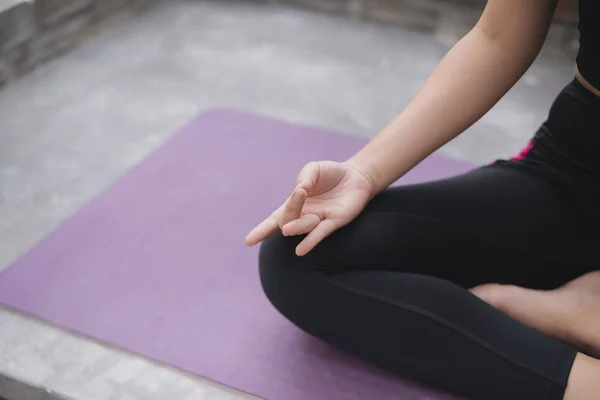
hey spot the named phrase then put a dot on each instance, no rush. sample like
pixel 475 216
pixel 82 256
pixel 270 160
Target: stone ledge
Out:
pixel 14 389
pixel 33 31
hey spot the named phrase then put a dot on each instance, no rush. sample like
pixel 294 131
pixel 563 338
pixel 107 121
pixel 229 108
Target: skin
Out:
pixel 473 76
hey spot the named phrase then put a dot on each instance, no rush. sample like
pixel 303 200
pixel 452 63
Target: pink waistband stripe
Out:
pixel 523 152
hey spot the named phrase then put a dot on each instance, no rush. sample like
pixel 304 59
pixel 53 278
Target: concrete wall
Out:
pixel 32 31
pixel 447 19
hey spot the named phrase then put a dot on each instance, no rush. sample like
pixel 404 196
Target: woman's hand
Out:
pixel 327 196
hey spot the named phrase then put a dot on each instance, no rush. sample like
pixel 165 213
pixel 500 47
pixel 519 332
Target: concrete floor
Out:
pixel 75 125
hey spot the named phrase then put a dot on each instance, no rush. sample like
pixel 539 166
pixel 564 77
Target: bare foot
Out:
pixel 570 313
pixel 583 381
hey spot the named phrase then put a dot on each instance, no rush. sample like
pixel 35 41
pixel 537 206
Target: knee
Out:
pixel 283 274
pixel 277 250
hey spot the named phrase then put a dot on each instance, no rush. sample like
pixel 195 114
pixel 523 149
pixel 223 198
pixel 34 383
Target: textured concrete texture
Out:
pixel 74 125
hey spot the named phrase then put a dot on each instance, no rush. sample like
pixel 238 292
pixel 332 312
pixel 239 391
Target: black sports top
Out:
pixel 588 59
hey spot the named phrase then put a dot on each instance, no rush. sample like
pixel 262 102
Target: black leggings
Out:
pixel 391 286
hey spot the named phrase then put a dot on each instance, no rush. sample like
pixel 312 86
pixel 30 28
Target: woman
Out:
pixel 482 285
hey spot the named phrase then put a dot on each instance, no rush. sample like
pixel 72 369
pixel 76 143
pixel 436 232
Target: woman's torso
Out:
pixel 588 58
pixel 566 148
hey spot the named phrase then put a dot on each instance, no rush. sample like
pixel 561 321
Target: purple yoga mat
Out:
pixel 157 264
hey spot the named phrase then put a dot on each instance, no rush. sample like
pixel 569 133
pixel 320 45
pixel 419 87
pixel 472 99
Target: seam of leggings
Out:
pixel 446 323
pixel 477 235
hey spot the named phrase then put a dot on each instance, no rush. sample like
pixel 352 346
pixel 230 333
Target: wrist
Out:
pixel 365 170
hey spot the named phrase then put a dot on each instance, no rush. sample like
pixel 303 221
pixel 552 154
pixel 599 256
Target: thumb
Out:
pixel 308 177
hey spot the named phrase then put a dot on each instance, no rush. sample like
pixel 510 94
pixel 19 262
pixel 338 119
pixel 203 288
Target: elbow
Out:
pixel 517 48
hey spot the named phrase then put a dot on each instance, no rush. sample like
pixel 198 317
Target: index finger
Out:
pixel 262 230
pixel 289 211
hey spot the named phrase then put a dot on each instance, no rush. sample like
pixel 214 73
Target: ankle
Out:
pixel 583 381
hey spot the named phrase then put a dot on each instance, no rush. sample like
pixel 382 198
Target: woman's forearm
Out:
pixel 470 79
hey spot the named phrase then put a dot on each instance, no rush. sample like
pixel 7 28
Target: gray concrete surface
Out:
pixel 75 125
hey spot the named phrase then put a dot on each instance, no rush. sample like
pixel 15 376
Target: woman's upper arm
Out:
pixel 521 25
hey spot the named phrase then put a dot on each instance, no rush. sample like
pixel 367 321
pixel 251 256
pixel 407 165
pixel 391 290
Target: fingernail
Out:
pixel 298 194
